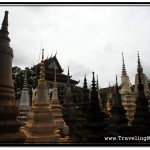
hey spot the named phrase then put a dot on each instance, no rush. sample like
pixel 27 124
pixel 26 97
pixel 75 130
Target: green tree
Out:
pixel 18 76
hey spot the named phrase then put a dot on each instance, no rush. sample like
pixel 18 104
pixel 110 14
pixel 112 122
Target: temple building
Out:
pixel 127 97
pixel 40 126
pixel 24 102
pixel 9 125
pixel 141 122
pixel 50 65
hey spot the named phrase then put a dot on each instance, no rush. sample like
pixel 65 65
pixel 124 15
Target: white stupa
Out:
pixel 40 126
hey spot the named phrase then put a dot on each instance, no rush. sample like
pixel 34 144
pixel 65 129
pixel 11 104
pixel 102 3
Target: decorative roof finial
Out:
pixel 42 68
pixel 140 85
pixel 68 72
pixel 117 89
pixel 124 73
pixel 85 83
pixel 4 30
pixel 93 82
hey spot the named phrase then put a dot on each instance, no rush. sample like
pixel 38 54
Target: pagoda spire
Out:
pixel 94 93
pixel 117 100
pixel 141 122
pixel 9 125
pixel 42 68
pixel 124 73
pixel 118 120
pixel 140 85
pixel 24 104
pixel 85 83
pixel 93 82
pixel 57 112
pixel 4 30
pixel 68 76
pixel 68 72
pixel 117 88
pixel 93 129
pixel 40 126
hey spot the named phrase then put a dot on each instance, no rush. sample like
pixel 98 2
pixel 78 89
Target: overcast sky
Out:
pixel 87 38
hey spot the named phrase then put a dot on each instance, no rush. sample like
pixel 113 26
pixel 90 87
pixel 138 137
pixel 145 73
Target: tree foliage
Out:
pixel 18 76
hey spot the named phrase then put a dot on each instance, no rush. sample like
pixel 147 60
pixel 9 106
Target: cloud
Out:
pixel 87 39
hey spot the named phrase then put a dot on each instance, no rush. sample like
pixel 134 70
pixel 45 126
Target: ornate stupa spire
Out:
pixel 4 30
pixel 85 98
pixel 93 130
pixel 140 85
pixel 124 73
pixel 57 112
pixel 40 126
pixel 126 93
pixel 142 79
pixel 117 88
pixel 68 72
pixel 9 125
pixel 117 99
pixel 85 83
pixel 141 122
pixel 42 68
pixel 24 104
pixel 118 120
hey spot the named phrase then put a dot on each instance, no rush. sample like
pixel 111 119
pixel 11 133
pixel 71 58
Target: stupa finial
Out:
pixel 42 68
pixel 124 73
pixel 140 85
pixel 117 88
pixel 4 30
pixel 85 83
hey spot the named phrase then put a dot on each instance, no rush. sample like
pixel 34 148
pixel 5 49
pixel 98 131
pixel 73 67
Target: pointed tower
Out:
pixel 118 121
pixel 80 115
pixel 99 96
pixel 24 104
pixel 57 112
pixel 85 97
pixel 125 81
pixel 69 110
pixel 144 80
pixel 145 84
pixel 93 130
pixel 141 122
pixel 9 125
pixel 127 97
pixel 40 126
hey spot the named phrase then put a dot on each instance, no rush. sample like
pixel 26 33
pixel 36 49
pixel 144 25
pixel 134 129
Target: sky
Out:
pixel 86 38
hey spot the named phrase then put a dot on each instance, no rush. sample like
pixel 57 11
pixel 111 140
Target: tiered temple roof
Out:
pixel 50 65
